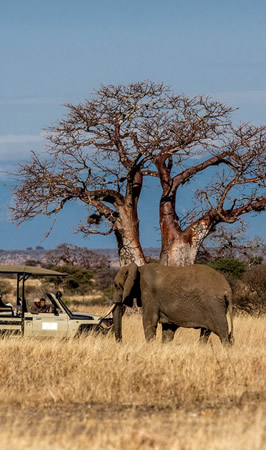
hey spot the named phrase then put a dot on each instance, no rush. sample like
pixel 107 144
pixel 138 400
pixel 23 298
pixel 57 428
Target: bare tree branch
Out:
pixel 100 151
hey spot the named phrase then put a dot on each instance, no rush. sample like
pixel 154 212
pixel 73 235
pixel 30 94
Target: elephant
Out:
pixel 194 296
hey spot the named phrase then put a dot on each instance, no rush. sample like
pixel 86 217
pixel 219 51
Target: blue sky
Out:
pixel 60 51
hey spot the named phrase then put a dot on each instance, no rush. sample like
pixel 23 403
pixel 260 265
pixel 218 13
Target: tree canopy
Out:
pixel 100 151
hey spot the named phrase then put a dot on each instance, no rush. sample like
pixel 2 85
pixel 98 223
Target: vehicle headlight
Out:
pixel 107 322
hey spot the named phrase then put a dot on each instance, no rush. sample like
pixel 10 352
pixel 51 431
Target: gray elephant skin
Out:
pixel 195 296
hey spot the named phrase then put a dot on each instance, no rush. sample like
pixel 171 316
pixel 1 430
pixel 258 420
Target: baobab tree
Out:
pixel 94 157
pixel 100 152
pixel 235 188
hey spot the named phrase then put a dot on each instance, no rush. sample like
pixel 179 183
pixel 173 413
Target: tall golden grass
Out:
pixel 94 393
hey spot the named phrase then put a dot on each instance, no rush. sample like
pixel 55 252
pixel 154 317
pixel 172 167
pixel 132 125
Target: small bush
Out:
pixel 249 294
pixel 256 279
pixel 6 287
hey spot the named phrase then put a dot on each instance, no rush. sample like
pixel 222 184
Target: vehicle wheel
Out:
pixel 84 330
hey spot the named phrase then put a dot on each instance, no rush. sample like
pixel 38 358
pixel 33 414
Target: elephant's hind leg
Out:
pixel 222 331
pixel 168 332
pixel 150 326
pixel 226 339
pixel 204 335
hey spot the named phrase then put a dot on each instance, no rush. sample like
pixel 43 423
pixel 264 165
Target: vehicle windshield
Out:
pixel 64 306
pixel 72 315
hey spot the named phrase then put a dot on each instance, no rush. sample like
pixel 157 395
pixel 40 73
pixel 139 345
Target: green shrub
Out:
pixel 231 267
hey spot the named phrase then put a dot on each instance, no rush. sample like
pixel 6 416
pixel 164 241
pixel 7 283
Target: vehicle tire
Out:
pixel 84 330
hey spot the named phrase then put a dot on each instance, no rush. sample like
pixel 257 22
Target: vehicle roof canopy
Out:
pixel 28 270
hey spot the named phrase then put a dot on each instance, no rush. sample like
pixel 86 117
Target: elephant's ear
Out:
pixel 132 274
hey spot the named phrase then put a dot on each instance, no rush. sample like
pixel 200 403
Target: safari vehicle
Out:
pixel 57 321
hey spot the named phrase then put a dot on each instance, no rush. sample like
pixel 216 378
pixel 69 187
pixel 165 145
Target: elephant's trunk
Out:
pixel 117 317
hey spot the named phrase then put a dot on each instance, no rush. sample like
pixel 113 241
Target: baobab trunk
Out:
pixel 180 253
pixel 127 236
pixel 180 248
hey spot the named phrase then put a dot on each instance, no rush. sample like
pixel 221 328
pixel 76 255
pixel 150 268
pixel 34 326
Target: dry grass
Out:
pixel 93 393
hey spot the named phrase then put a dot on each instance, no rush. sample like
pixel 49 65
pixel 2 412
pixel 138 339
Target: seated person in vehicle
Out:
pixel 5 308
pixel 41 307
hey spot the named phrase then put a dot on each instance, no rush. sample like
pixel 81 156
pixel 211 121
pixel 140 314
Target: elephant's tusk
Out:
pixel 108 312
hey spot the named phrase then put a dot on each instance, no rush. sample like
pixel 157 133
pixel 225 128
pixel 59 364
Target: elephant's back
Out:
pixel 204 276
pixel 192 276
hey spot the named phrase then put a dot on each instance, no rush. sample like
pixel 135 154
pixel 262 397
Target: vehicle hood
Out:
pixel 84 316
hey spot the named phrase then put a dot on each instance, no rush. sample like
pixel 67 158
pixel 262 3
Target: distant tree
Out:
pixel 228 242
pixel 32 262
pixel 104 147
pixel 77 281
pixel 103 278
pixel 72 255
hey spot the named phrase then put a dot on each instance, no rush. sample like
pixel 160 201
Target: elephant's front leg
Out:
pixel 204 335
pixel 168 332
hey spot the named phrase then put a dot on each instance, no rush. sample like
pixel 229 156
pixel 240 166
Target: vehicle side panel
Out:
pixel 46 325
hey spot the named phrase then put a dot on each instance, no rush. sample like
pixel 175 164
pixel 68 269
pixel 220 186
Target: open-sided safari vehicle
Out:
pixel 57 320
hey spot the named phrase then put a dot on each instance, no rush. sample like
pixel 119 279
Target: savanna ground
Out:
pixel 93 393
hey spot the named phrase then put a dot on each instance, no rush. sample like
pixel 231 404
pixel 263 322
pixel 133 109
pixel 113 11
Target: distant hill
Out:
pixel 21 256
pixel 40 254
pixel 112 253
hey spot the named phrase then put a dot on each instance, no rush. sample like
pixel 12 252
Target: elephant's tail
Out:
pixel 230 310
